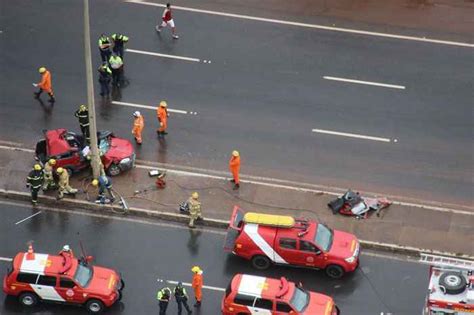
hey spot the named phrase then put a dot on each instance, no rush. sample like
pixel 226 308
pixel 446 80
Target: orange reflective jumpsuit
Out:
pixel 138 125
pixel 45 83
pixel 162 115
pixel 197 286
pixel 234 166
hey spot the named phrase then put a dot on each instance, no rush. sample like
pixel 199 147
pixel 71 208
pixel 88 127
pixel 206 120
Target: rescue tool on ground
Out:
pixel 353 204
pixel 451 286
pixel 274 239
pixel 35 277
pixel 247 294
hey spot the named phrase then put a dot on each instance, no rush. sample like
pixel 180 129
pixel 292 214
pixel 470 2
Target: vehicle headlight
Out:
pixel 350 259
pixel 125 161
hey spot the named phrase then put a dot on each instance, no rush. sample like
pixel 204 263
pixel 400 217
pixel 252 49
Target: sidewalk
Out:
pixel 401 226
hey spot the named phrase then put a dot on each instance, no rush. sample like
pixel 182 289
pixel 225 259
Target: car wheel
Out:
pixel 28 299
pixel 260 262
pixel 335 271
pixel 95 306
pixel 452 282
pixel 113 170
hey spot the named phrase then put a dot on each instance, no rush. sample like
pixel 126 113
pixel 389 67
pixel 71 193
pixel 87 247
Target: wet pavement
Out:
pixel 145 251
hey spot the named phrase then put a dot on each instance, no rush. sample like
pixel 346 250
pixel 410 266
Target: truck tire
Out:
pixel 94 306
pixel 335 271
pixel 28 299
pixel 114 170
pixel 261 262
pixel 452 282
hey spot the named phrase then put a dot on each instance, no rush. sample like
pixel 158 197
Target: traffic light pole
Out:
pixel 95 159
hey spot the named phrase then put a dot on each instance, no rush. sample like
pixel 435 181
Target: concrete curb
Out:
pixel 177 217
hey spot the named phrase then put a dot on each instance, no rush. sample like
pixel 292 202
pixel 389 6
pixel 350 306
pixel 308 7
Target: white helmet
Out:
pixel 136 113
pixel 66 248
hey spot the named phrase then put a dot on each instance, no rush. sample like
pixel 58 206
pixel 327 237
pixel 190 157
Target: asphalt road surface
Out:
pixel 263 93
pixel 145 251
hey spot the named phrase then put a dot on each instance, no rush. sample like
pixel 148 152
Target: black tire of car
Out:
pixel 122 285
pixel 452 282
pixel 94 306
pixel 261 262
pixel 28 299
pixel 335 271
pixel 113 170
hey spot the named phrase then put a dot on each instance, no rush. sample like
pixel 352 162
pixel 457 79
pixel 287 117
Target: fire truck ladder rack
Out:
pixel 447 262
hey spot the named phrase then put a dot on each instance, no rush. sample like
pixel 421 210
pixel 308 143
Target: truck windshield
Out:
pixel 323 237
pixel 299 300
pixel 83 275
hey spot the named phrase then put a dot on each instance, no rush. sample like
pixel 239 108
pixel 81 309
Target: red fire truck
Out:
pixel 266 239
pixel 451 286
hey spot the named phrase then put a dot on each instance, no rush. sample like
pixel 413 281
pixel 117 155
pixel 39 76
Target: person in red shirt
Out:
pixel 167 19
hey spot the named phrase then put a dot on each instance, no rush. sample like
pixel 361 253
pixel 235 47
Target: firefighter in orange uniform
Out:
pixel 162 115
pixel 138 125
pixel 45 84
pixel 234 166
pixel 197 285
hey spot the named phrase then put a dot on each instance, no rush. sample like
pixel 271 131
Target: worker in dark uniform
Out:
pixel 163 296
pixel 181 298
pixel 119 41
pixel 82 115
pixel 104 47
pixel 34 182
pixel 105 183
pixel 105 76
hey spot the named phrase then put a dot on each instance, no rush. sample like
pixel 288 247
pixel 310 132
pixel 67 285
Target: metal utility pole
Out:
pixel 95 159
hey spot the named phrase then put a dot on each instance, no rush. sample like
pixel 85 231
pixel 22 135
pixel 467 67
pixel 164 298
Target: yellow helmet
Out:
pixel 42 70
pixel 37 167
pixel 52 161
pixel 163 104
pixel 82 107
pixel 195 195
pixel 195 269
pixel 235 153
pixel 60 170
pixel 95 182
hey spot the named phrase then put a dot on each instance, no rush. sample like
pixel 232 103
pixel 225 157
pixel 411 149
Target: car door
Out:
pixel 310 254
pixel 283 308
pixel 45 288
pixel 70 291
pixel 262 307
pixel 287 248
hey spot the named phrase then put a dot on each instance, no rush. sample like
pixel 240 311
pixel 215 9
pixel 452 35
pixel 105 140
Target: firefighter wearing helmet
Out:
pixel 194 209
pixel 138 125
pixel 34 181
pixel 48 169
pixel 82 115
pixel 197 285
pixel 64 187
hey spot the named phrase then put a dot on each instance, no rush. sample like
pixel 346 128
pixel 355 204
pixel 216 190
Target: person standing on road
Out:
pixel 82 115
pixel 64 187
pixel 138 125
pixel 48 175
pixel 197 285
pixel 116 64
pixel 45 84
pixel 34 181
pixel 105 75
pixel 181 298
pixel 105 183
pixel 167 19
pixel 234 166
pixel 163 296
pixel 194 209
pixel 162 115
pixel 119 41
pixel 104 47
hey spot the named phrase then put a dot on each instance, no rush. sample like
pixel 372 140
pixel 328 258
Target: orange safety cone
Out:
pixel 31 254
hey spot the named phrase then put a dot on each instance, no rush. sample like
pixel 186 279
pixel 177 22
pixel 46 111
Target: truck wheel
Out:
pixel 335 271
pixel 260 262
pixel 113 170
pixel 95 306
pixel 452 282
pixel 28 299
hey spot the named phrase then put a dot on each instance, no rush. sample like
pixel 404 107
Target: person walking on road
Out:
pixel 181 298
pixel 82 115
pixel 197 285
pixel 116 64
pixel 119 41
pixel 34 181
pixel 45 84
pixel 162 115
pixel 104 47
pixel 105 75
pixel 138 125
pixel 64 187
pixel 163 296
pixel 194 209
pixel 48 169
pixel 167 19
pixel 234 166
pixel 105 183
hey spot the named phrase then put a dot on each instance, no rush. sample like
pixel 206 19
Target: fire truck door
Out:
pixel 45 288
pixel 288 249
pixel 310 254
pixel 70 291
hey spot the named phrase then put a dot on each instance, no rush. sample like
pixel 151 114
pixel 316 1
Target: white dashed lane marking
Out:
pixel 171 110
pixel 392 86
pixel 352 135
pixel 149 53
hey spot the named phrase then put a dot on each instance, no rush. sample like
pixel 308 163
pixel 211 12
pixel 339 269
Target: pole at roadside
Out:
pixel 95 159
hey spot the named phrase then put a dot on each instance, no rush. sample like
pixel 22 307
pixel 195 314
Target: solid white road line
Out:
pixel 314 26
pixel 177 111
pixel 6 259
pixel 4 147
pixel 162 55
pixel 393 86
pixel 27 218
pixel 187 284
pixel 351 135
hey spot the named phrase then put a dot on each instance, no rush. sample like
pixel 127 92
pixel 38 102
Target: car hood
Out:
pixel 343 244
pixel 319 304
pixel 119 149
pixel 104 281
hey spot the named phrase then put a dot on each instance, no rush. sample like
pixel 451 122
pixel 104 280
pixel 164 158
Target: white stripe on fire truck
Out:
pixel 47 293
pixel 252 231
